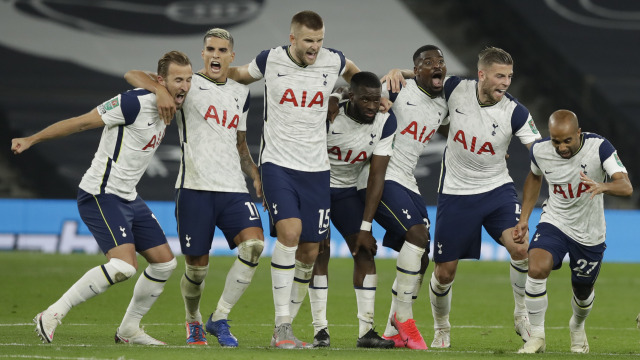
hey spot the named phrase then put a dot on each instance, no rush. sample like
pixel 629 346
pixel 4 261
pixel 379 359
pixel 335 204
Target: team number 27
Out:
pixel 582 264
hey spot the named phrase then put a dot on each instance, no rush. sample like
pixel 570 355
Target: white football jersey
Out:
pixel 296 100
pixel 479 136
pixel 419 116
pixel 351 144
pixel 132 133
pixel 208 124
pixel 569 207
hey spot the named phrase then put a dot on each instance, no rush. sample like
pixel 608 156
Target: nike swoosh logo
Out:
pixel 548 172
pixel 279 287
pixel 335 133
pixel 323 231
pixel 201 88
pixel 91 288
pixel 518 286
pixel 154 295
pixel 459 112
pixel 151 123
pixel 254 218
pixel 243 282
pixel 296 302
pixel 410 104
pixel 280 75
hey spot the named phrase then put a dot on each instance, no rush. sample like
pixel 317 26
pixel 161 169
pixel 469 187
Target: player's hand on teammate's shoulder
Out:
pixel 395 79
pixel 166 106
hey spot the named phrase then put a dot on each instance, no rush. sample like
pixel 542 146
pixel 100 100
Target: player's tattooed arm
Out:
pixel 149 81
pixel 246 162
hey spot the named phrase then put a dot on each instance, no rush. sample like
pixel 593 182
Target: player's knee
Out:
pixel 582 291
pixel 537 271
pixel 118 270
pixel 163 270
pixel 195 273
pixel 250 250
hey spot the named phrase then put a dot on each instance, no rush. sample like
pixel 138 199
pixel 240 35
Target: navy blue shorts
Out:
pixel 297 194
pixel 114 221
pixel 585 261
pixel 199 212
pixel 460 218
pixel 399 210
pixel 346 210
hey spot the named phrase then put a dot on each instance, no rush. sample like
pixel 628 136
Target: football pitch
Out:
pixel 482 314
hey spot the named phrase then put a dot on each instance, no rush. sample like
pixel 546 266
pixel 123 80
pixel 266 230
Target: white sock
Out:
pixel 537 302
pixel 518 275
pixel 318 300
pixel 581 309
pixel 191 287
pixel 148 287
pixel 366 298
pixel 300 287
pixel 92 283
pixel 283 262
pixel 238 278
pixel 440 297
pixel 391 330
pixel 407 269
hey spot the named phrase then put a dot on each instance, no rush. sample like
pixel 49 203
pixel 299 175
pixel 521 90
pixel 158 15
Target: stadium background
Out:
pixel 61 58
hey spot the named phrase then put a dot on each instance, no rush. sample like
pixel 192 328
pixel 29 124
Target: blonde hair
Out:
pixel 493 55
pixel 220 34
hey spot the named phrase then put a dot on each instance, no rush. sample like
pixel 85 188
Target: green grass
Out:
pixel 481 314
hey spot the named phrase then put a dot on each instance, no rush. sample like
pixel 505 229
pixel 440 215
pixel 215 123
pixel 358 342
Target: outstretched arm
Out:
pixel 90 120
pixel 241 74
pixel 375 186
pixel 531 191
pixel 149 81
pixel 618 186
pixel 247 164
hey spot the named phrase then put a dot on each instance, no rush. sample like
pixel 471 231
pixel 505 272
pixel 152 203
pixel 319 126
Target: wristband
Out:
pixel 339 97
pixel 365 226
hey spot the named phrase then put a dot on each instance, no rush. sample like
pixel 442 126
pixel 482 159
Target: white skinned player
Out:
pixel 109 205
pixel 210 189
pixel 576 166
pixel 358 137
pixel 421 111
pixel 293 161
pixel 475 188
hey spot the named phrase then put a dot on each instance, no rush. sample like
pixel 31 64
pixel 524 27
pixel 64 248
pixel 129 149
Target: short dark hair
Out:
pixel 421 49
pixel 493 55
pixel 172 57
pixel 366 79
pixel 308 18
